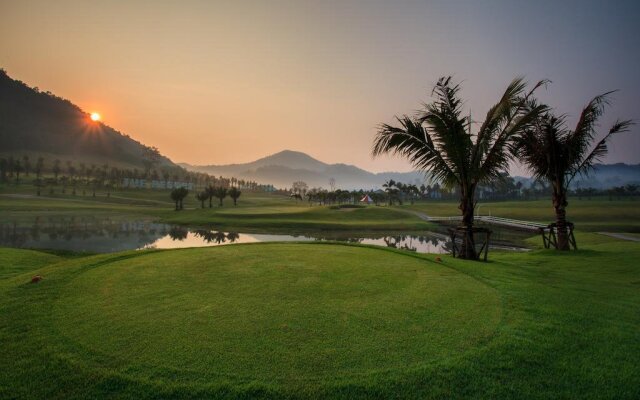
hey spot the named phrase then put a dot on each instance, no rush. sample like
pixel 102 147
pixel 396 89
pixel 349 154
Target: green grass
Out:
pixel 588 215
pixel 255 211
pixel 323 320
pixel 15 262
pixel 278 213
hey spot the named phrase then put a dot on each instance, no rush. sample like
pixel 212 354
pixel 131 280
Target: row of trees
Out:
pixel 70 175
pixel 219 192
pixel 439 140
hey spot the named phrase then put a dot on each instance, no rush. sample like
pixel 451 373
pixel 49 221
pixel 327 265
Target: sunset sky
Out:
pixel 216 82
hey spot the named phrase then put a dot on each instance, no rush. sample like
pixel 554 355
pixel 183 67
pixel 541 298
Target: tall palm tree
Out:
pixel 439 141
pixel 556 154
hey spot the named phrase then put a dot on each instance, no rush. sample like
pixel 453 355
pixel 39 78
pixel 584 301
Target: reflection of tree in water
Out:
pixel 220 237
pixel 178 233
pixel 390 241
pixel 205 234
pixel 77 233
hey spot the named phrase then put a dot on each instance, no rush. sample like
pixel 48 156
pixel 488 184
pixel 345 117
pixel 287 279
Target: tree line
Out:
pixel 71 176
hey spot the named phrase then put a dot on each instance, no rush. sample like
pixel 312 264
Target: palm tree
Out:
pixel 220 193
pixel 439 141
pixel 175 196
pixel 389 188
pixel 211 191
pixel 234 193
pixel 39 167
pixel 202 197
pixel 178 195
pixel 557 154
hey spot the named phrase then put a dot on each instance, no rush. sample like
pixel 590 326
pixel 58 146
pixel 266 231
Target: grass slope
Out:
pixel 15 262
pixel 324 320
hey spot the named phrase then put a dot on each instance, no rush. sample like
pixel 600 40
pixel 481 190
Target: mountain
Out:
pixel 603 176
pixel 36 122
pixel 284 168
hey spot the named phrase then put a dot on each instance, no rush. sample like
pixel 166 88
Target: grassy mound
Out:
pixel 324 321
pixel 282 315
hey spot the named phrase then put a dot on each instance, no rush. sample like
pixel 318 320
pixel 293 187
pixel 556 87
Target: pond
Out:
pixel 105 235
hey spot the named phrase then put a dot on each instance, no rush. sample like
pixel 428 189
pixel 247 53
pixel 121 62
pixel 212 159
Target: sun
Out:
pixel 95 116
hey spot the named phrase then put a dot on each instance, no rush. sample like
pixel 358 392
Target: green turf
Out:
pixel 324 320
pixel 590 215
pixel 16 261
pixel 255 211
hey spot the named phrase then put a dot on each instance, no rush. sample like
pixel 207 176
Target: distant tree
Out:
pixel 202 197
pixel 39 167
pixel 220 193
pixel 234 193
pixel 56 168
pixel 631 189
pixel 178 195
pixel 332 184
pixel 71 170
pixel 17 168
pixel 391 190
pixel 4 168
pixel 26 165
pixel 556 154
pixel 300 188
pixel 150 159
pixel 165 176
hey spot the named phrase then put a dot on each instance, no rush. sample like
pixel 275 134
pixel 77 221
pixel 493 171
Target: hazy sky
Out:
pixel 230 81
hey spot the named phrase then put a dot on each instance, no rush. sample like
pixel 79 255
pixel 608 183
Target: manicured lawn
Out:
pixel 323 320
pixel 590 215
pixel 18 261
pixel 255 211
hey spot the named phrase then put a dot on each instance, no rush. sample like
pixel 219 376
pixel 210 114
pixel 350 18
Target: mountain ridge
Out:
pixel 284 167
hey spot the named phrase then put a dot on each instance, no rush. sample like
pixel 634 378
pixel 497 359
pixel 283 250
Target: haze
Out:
pixel 226 82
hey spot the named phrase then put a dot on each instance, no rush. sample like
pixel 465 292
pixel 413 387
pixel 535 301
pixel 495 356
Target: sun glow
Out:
pixel 95 116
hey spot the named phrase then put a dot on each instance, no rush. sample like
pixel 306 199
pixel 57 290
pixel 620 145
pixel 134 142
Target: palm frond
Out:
pixel 585 131
pixel 411 141
pixel 599 150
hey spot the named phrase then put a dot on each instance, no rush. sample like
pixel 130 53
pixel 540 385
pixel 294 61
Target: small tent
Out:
pixel 366 199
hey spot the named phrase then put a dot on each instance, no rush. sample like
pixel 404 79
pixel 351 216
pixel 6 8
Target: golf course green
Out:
pixel 321 320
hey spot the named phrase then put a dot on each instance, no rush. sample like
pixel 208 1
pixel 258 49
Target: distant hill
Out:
pixel 36 122
pixel 283 168
pixel 603 176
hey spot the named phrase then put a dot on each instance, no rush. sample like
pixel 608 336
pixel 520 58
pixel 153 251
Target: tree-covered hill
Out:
pixel 36 122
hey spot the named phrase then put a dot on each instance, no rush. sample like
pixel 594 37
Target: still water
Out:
pixel 104 235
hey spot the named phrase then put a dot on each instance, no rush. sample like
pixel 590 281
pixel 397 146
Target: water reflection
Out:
pixel 102 235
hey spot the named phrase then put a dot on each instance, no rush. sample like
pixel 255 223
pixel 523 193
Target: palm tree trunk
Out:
pixel 560 204
pixel 468 249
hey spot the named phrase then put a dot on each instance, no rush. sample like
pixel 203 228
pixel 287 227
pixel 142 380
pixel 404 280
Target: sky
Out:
pixel 217 82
